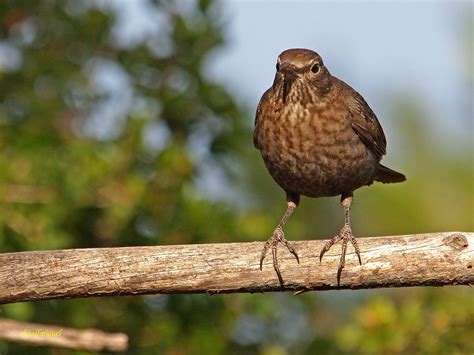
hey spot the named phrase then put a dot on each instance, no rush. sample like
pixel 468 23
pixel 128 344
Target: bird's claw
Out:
pixel 346 236
pixel 278 236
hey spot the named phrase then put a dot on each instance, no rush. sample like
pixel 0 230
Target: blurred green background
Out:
pixel 113 141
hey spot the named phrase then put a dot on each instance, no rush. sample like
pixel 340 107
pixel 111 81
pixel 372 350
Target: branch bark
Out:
pixel 434 259
pixel 52 335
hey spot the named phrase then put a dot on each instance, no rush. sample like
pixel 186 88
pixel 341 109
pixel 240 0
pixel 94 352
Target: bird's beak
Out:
pixel 289 71
pixel 289 74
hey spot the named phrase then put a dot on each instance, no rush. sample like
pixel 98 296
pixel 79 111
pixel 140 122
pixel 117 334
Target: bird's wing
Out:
pixel 366 125
pixel 258 117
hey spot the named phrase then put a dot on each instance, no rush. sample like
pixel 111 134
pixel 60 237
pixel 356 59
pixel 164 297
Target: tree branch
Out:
pixel 434 259
pixel 49 335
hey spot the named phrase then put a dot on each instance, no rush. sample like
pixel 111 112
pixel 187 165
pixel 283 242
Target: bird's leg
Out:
pixel 345 235
pixel 278 236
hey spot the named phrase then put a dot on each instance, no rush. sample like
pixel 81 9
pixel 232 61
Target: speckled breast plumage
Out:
pixel 312 150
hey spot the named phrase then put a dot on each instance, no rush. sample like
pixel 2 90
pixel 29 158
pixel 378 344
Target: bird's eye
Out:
pixel 278 66
pixel 315 68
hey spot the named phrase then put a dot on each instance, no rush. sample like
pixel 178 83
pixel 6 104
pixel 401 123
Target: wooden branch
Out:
pixel 434 259
pixel 55 336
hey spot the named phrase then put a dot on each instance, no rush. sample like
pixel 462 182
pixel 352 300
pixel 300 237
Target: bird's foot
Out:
pixel 346 236
pixel 277 237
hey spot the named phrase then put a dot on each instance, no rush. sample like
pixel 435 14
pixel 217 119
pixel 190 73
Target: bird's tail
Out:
pixel 387 175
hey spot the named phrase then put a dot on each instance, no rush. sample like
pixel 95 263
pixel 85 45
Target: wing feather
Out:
pixel 259 117
pixel 365 123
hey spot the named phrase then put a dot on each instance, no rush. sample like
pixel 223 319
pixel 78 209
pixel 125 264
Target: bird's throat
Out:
pixel 287 83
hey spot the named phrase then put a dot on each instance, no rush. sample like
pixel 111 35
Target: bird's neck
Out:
pixel 301 93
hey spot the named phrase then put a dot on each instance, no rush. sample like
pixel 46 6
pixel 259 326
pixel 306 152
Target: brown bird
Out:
pixel 318 137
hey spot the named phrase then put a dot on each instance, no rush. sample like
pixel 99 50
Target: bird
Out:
pixel 318 137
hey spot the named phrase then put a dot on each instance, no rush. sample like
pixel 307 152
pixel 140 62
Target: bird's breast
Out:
pixel 312 150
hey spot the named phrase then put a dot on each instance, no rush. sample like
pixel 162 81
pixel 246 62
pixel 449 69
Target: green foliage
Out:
pixel 105 141
pixel 423 321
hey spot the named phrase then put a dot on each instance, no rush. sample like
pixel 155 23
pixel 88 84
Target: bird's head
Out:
pixel 301 69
